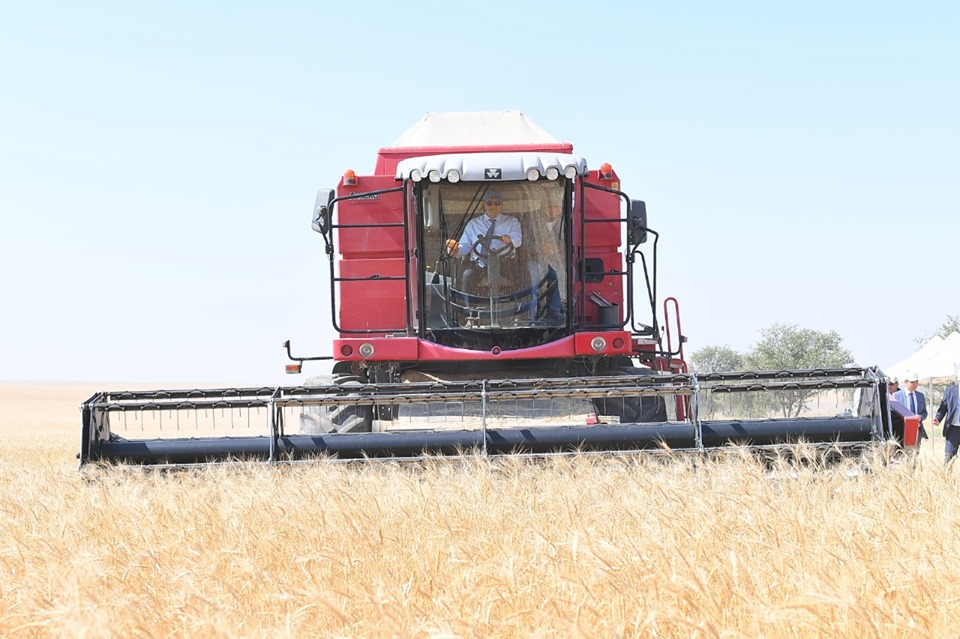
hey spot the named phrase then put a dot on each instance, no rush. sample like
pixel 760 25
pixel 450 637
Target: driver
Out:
pixel 492 231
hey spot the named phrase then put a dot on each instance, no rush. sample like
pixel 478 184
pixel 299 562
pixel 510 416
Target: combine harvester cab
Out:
pixel 483 288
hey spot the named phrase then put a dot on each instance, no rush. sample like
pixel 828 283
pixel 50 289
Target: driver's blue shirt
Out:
pixel 477 228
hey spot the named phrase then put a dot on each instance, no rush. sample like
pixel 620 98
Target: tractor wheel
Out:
pixel 633 410
pixel 322 420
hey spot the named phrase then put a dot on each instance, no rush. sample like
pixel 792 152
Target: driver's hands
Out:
pixel 506 239
pixel 453 247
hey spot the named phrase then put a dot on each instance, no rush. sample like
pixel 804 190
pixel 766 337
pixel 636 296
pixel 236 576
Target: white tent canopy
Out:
pixel 935 359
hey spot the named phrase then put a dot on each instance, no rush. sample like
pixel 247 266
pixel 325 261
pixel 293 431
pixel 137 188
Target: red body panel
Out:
pixel 395 349
pixel 601 205
pixel 412 348
pixel 602 241
pixel 372 304
pixel 583 347
pixel 386 208
pixel 369 249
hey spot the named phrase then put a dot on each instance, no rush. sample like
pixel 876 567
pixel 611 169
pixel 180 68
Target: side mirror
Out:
pixel 322 211
pixel 637 222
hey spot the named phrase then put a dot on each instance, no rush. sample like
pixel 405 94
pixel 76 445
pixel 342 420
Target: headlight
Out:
pixel 597 343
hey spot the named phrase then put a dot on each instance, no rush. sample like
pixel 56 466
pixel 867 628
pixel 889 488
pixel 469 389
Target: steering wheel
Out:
pixel 484 242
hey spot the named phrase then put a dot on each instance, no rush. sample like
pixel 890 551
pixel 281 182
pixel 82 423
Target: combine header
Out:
pixel 482 284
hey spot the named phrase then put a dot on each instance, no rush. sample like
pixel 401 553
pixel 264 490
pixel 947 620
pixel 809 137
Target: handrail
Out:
pixel 331 253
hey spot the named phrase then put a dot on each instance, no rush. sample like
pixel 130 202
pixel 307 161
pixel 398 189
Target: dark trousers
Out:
pixel 953 444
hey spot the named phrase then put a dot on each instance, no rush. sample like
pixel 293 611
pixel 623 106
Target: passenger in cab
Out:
pixel 546 261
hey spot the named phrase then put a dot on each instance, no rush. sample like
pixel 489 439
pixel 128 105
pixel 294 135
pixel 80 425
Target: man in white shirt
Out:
pixel 893 387
pixel 489 233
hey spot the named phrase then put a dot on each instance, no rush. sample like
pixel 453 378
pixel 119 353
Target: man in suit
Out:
pixel 949 414
pixel 915 401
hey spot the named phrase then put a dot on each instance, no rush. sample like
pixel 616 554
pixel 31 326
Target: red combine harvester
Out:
pixel 483 285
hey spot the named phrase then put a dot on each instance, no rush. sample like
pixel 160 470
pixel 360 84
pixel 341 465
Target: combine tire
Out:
pixel 324 420
pixel 633 410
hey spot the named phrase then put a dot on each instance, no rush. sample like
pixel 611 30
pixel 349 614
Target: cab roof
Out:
pixel 468 132
pixel 479 128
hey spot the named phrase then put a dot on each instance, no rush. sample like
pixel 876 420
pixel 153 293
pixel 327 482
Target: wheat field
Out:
pixel 572 547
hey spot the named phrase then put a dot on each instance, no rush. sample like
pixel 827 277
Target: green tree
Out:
pixel 950 325
pixel 716 359
pixel 785 347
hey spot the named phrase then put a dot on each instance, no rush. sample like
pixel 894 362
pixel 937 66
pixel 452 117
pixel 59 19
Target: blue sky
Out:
pixel 158 163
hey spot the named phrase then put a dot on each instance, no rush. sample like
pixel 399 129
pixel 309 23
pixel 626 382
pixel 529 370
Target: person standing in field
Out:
pixel 949 414
pixel 915 401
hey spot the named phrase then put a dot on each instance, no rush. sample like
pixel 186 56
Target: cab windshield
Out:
pixel 495 256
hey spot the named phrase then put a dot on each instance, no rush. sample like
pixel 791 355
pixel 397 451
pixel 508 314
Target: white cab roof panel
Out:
pixel 480 128
pixel 477 167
